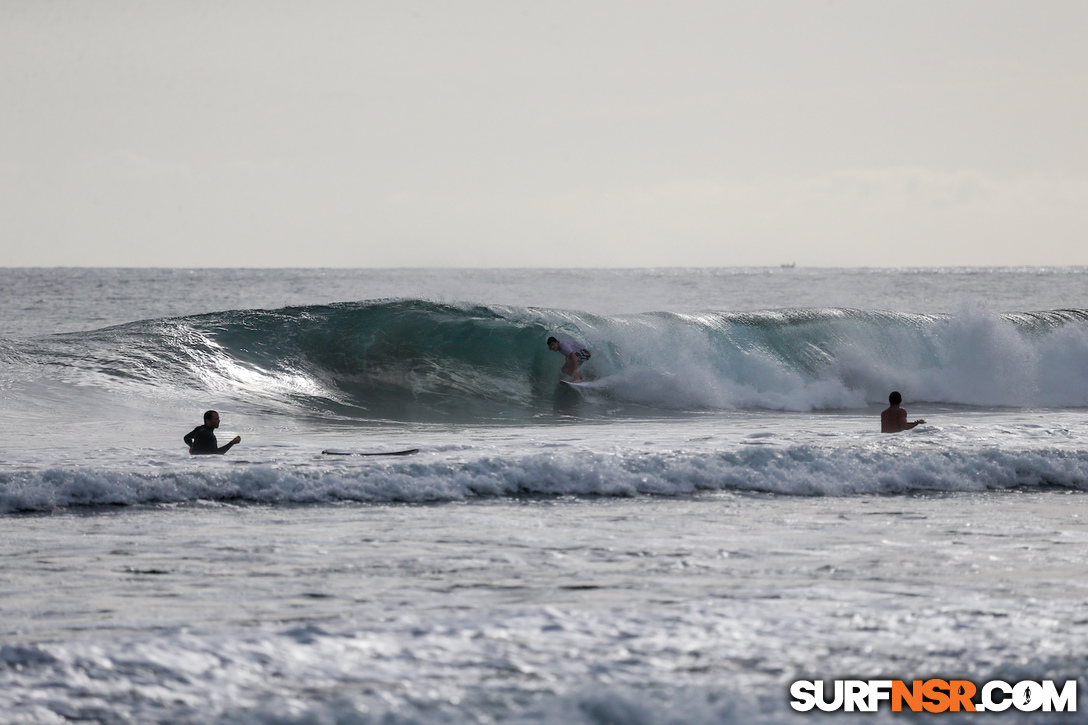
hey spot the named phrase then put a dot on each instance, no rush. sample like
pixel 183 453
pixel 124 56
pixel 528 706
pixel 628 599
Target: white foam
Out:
pixel 792 469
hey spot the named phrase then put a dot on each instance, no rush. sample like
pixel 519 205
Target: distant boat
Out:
pixel 791 265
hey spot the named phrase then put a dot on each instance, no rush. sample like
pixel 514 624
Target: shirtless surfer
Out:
pixel 202 438
pixel 575 352
pixel 894 419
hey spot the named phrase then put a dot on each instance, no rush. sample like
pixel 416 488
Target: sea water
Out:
pixel 716 517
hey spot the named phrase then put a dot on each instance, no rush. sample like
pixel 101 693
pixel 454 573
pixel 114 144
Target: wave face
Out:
pixel 416 360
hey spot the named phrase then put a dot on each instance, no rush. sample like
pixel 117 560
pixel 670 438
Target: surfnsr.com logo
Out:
pixel 934 696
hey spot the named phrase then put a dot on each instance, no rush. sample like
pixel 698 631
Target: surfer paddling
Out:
pixel 202 438
pixel 575 352
pixel 894 419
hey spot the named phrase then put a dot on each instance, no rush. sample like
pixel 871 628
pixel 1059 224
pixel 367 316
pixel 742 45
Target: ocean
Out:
pixel 714 518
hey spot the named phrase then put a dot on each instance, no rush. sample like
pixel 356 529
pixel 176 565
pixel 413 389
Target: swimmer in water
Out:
pixel 201 440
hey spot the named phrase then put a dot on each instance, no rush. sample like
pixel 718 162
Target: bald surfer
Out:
pixel 894 419
pixel 575 352
pixel 201 440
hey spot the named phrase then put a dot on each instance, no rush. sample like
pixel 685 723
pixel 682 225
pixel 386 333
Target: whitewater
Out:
pixel 713 518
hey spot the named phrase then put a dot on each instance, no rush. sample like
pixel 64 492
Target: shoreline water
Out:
pixel 415 609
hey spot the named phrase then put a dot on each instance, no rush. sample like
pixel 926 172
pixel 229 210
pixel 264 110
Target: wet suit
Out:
pixel 202 440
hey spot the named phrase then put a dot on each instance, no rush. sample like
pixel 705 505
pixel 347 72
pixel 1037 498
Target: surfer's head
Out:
pixel 553 344
pixel 211 418
pixel 895 398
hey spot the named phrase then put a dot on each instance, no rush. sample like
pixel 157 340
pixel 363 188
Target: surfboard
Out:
pixel 583 384
pixel 334 452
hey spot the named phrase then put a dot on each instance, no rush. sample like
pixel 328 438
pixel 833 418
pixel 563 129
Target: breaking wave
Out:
pixel 416 360
pixel 796 470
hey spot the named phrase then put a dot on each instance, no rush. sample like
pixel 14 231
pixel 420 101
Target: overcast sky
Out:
pixel 475 133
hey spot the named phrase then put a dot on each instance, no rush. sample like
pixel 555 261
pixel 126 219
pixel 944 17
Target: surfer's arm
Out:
pixel 903 421
pixel 190 437
pixel 225 448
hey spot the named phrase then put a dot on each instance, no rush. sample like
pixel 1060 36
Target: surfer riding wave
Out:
pixel 575 352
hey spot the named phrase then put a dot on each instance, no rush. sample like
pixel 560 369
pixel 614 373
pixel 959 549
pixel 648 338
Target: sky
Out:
pixel 479 133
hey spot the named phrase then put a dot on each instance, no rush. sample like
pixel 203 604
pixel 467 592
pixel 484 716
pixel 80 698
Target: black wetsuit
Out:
pixel 202 440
